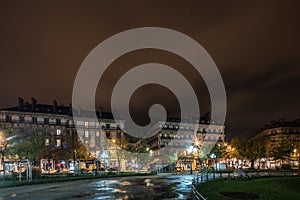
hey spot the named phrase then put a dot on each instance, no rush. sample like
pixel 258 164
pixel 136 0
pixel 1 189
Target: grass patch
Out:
pixel 279 188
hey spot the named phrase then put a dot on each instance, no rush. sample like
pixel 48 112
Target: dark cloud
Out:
pixel 254 44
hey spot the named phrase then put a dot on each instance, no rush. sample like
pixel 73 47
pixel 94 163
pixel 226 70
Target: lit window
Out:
pixel 40 120
pixel 58 132
pixel 97 134
pixel 58 142
pixel 52 121
pixel 86 134
pixel 14 118
pixel 86 124
pixel 47 142
pixel 28 119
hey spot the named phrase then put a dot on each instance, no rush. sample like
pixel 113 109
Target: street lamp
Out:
pixel 213 156
pixel 197 144
pixel 190 152
pixel 118 159
pixel 190 149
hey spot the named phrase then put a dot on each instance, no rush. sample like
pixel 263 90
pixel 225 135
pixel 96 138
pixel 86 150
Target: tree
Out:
pixel 256 150
pixel 30 145
pixel 249 149
pixel 282 151
pixel 173 158
pixel 219 149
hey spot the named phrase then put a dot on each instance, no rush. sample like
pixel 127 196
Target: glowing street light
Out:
pixel 190 149
pixel 213 156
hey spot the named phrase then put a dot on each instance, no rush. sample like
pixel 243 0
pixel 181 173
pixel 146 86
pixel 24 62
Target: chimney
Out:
pixel 20 102
pixel 33 104
pixel 54 106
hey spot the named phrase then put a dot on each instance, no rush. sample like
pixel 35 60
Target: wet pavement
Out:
pixel 162 186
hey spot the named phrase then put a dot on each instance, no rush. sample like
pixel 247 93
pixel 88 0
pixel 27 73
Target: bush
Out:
pixel 36 173
pixel 286 167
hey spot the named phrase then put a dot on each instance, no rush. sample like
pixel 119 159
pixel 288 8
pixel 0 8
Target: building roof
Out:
pixel 34 107
pixel 280 123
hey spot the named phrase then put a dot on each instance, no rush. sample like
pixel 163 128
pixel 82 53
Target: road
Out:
pixel 163 186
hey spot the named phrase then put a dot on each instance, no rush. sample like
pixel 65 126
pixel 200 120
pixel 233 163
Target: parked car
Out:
pixel 44 171
pixel 52 171
pixel 65 170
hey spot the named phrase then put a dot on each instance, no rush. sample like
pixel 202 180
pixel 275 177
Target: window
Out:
pixel 15 118
pixel 70 123
pixel 97 134
pixel 52 121
pixel 92 124
pixel 80 123
pixel 28 119
pixel 47 142
pixel 2 117
pixel 58 142
pixel 40 120
pixel 63 121
pixel 58 131
pixel 86 134
pixel 86 124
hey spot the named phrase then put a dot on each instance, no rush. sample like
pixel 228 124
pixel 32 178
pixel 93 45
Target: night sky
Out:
pixel 255 46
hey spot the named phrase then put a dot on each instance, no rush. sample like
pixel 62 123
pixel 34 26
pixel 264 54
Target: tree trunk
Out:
pixel 252 163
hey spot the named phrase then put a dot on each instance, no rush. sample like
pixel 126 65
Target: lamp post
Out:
pixel 198 144
pixel 190 151
pixel 213 156
pixel 74 149
pixel 117 153
pixel 147 161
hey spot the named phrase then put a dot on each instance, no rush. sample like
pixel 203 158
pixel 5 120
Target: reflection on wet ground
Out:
pixel 155 187
pixel 163 186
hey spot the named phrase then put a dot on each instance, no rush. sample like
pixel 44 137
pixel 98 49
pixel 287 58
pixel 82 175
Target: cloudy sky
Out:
pixel 254 44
